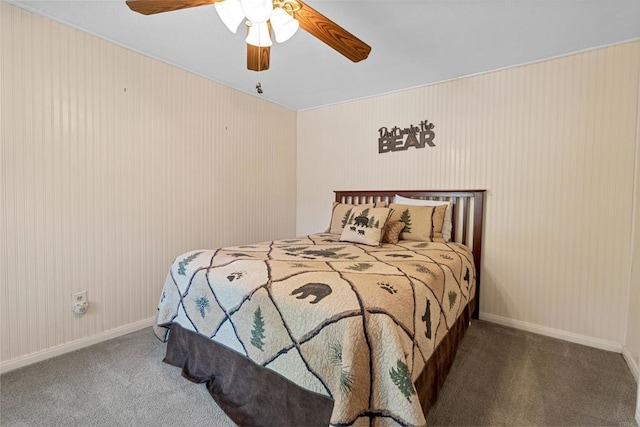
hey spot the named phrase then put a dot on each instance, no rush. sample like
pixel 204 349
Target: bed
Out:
pixel 355 325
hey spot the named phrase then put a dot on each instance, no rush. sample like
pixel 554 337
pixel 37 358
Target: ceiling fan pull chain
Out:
pixel 258 85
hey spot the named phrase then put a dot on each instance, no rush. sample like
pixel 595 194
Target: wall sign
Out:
pixel 416 136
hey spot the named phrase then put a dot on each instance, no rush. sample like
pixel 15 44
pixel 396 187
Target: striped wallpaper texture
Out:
pixel 632 342
pixel 553 143
pixel 112 164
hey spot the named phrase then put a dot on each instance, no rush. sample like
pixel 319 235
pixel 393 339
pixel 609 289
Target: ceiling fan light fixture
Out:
pixel 230 12
pixel 284 26
pixel 259 35
pixel 257 11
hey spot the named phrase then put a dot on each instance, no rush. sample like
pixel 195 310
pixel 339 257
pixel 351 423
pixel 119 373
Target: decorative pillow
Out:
pixel 365 225
pixel 422 223
pixel 447 228
pixel 340 214
pixel 392 231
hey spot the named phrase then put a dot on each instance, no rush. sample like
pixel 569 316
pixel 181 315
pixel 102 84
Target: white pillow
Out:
pixel 447 227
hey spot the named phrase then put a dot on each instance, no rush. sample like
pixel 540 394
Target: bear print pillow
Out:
pixel 365 225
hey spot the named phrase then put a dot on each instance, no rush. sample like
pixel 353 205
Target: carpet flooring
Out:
pixel 507 377
pixel 501 377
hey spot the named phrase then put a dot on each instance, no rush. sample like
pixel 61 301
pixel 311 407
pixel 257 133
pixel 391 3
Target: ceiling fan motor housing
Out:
pixel 257 11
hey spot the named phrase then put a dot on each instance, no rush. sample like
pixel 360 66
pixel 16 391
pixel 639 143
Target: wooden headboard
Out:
pixel 468 208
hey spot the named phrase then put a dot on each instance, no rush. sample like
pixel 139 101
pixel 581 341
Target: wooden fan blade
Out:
pixel 258 57
pixel 331 33
pixel 149 7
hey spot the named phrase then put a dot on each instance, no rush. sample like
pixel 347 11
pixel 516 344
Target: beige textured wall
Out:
pixel 112 164
pixel 632 343
pixel 633 323
pixel 552 142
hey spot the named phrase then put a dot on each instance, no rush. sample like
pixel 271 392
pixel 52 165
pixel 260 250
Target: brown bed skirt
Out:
pixel 251 395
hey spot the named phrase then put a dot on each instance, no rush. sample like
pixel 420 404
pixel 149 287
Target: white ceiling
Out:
pixel 413 43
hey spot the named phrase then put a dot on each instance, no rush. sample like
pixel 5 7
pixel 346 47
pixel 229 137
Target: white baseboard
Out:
pixel 39 356
pixel 554 333
pixel 633 365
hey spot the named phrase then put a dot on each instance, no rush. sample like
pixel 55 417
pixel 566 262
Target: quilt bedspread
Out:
pixel 352 322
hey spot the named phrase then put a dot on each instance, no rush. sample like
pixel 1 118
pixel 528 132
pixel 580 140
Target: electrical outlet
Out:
pixel 79 302
pixel 79 297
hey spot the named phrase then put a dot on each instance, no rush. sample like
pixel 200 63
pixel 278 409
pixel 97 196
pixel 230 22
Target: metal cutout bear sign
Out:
pixel 416 136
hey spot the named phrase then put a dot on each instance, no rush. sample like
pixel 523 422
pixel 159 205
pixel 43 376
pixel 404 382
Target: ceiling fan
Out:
pixel 283 17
